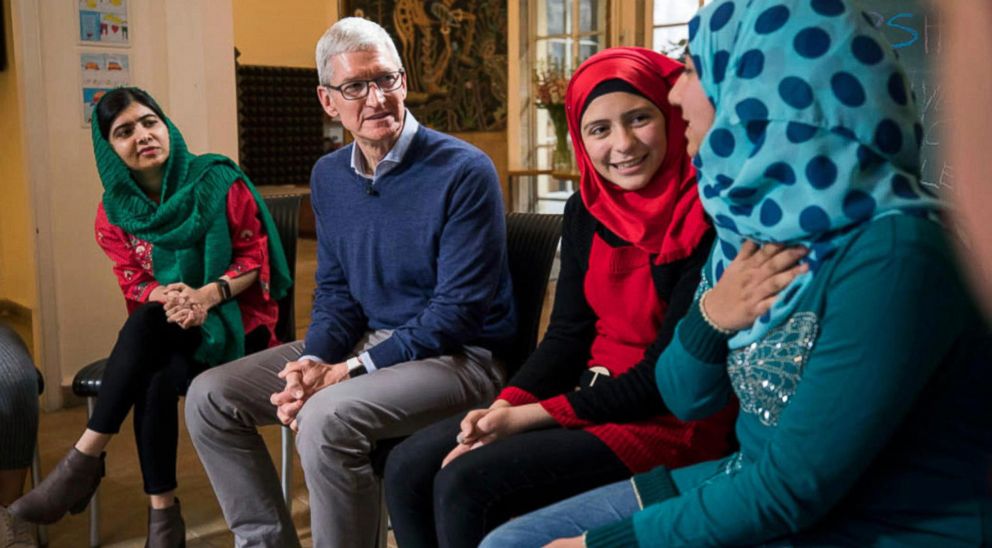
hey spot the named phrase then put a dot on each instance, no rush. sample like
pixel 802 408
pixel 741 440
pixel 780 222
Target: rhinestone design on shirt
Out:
pixel 734 464
pixel 765 374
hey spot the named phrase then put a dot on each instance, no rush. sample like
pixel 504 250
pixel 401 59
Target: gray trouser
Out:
pixel 339 427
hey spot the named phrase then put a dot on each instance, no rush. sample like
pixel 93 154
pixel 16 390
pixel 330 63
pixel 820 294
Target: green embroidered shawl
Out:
pixel 189 230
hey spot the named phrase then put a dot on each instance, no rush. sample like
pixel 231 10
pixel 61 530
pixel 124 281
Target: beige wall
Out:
pixel 182 52
pixel 16 241
pixel 281 33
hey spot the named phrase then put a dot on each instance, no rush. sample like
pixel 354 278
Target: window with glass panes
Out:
pixel 565 32
pixel 670 27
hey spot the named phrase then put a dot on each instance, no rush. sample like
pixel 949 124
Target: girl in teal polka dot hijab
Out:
pixel 815 133
pixel 831 309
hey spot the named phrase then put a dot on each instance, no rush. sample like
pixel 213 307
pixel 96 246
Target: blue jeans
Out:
pixel 568 518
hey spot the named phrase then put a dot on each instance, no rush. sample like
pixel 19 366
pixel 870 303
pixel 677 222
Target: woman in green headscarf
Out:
pixel 190 240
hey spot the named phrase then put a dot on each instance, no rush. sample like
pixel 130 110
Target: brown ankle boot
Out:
pixel 166 528
pixel 68 488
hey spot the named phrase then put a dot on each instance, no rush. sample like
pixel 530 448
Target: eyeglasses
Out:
pixel 359 89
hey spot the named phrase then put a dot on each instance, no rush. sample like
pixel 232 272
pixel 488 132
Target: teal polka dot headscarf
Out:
pixel 816 132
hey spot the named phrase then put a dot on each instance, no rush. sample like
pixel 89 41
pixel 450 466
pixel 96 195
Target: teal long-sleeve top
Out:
pixel 863 417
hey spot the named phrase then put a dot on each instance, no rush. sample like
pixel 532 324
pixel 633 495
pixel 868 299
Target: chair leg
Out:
pixel 287 467
pixel 383 537
pixel 95 501
pixel 35 480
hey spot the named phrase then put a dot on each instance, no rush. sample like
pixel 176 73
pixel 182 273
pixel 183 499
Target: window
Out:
pixel 564 32
pixel 569 31
pixel 556 38
pixel 670 30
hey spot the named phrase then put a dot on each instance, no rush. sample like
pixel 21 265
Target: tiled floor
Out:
pixel 124 506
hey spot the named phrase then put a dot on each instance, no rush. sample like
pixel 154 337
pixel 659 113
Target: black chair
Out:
pixel 531 244
pixel 285 212
pixel 36 466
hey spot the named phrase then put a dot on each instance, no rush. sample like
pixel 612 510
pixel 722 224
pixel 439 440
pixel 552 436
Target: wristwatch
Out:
pixel 224 289
pixel 355 367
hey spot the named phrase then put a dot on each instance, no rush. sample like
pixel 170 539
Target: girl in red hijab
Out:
pixel 633 243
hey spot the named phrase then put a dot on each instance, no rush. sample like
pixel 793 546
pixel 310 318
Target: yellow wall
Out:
pixel 281 33
pixel 17 282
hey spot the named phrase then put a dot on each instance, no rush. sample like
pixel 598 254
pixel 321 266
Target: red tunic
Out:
pixel 132 259
pixel 620 290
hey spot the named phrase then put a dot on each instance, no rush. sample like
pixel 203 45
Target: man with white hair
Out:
pixel 412 298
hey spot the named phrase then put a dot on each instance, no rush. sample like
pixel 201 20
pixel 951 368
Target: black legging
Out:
pixel 482 489
pixel 150 366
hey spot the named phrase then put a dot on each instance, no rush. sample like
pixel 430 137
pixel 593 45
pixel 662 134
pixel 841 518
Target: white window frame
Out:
pixel 652 25
pixel 542 133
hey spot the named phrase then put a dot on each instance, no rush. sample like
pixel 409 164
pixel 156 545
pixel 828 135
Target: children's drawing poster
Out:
pixel 103 22
pixel 102 72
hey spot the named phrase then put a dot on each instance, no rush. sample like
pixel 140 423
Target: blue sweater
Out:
pixel 863 417
pixel 425 256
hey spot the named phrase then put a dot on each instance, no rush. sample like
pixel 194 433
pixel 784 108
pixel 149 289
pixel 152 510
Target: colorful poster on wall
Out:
pixel 102 72
pixel 103 22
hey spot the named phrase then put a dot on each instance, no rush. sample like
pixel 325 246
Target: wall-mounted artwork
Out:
pixel 101 72
pixel 103 22
pixel 454 53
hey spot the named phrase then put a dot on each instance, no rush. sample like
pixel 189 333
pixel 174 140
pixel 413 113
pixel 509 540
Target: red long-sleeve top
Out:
pixel 615 309
pixel 132 258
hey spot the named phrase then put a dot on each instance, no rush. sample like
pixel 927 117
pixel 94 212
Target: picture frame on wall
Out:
pixel 100 72
pixel 103 22
pixel 455 56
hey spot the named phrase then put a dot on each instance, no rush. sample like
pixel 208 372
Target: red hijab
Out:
pixel 665 217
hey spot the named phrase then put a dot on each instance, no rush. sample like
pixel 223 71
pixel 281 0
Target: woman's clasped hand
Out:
pixel 500 420
pixel 186 306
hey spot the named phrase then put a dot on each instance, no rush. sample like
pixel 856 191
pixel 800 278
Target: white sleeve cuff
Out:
pixel 367 362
